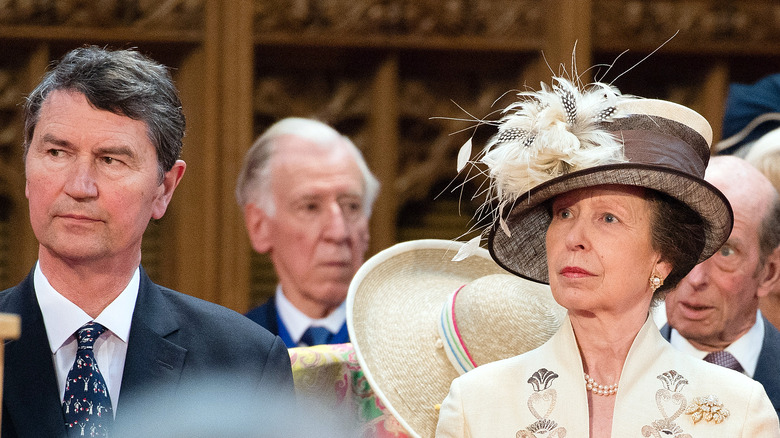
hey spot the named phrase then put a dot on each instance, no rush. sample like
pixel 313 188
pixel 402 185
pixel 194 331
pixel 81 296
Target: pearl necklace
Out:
pixel 597 389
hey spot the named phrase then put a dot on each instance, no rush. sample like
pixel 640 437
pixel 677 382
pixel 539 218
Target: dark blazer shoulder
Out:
pixel 29 411
pixel 766 368
pixel 265 315
pixel 210 332
pixel 176 338
pixel 226 332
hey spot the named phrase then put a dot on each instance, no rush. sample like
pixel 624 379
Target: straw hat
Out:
pixel 560 139
pixel 418 320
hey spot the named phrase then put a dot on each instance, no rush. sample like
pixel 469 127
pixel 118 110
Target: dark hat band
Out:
pixel 662 150
pixel 660 141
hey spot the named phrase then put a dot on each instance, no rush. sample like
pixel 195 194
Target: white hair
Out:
pixel 254 180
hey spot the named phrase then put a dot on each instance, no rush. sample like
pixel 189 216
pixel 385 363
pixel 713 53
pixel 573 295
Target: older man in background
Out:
pixel 307 195
pixel 714 312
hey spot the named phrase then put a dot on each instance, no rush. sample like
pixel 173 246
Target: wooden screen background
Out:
pixel 391 74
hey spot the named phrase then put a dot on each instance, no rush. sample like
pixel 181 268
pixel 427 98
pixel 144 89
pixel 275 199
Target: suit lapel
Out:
pixel 153 358
pixel 766 368
pixel 31 398
pixel 666 332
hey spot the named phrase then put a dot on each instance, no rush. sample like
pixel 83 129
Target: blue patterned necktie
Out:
pixel 86 404
pixel 316 336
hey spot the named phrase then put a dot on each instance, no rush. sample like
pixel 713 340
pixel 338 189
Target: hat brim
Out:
pixel 393 305
pixel 524 251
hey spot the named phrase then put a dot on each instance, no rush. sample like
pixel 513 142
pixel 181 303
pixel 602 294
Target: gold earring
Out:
pixel 656 282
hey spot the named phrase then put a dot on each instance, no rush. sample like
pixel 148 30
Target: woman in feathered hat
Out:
pixel 601 195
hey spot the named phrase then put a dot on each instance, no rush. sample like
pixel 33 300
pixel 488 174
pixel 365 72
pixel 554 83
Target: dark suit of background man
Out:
pixel 103 134
pixel 307 194
pixel 716 306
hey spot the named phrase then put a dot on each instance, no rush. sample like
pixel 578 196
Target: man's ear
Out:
pixel 770 274
pixel 170 181
pixel 258 225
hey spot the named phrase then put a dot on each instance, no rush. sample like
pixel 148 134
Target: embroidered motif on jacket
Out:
pixel 541 404
pixel 672 403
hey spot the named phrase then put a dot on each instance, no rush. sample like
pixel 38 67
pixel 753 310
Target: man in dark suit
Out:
pixel 307 194
pixel 103 134
pixel 715 308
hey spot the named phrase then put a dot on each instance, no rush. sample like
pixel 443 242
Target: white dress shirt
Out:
pixel 297 322
pixel 62 319
pixel 746 349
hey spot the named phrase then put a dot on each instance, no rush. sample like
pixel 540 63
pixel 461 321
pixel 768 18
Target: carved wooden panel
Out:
pixel 504 18
pixel 716 26
pixel 340 101
pixel 5 250
pixel 170 14
pixel 12 200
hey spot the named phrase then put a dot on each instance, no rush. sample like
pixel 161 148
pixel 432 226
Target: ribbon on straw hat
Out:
pixel 418 320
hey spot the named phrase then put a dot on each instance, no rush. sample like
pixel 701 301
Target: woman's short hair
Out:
pixel 677 233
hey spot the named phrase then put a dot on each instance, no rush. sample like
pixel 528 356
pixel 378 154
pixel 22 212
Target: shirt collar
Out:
pixel 62 317
pixel 297 322
pixel 743 349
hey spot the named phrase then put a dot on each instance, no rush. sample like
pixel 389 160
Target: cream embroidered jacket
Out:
pixel 662 393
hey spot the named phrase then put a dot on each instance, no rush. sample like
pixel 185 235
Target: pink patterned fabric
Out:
pixel 332 373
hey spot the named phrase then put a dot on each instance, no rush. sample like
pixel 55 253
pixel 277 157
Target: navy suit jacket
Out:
pixel 265 315
pixel 174 338
pixel 768 366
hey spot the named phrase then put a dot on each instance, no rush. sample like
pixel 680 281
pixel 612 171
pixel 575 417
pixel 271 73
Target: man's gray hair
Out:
pixel 254 180
pixel 123 82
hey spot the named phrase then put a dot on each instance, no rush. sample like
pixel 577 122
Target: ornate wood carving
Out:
pixel 11 178
pixel 166 14
pixel 506 19
pixel 342 102
pixel 437 118
pixel 722 25
pixel 430 114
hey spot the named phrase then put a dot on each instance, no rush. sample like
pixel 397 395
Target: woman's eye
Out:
pixel 610 218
